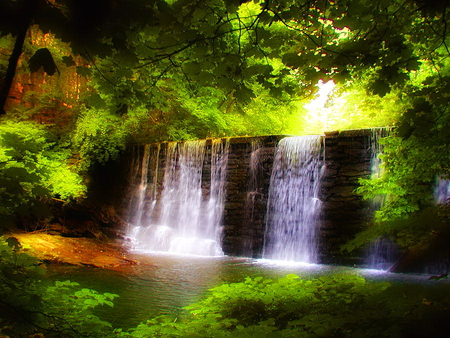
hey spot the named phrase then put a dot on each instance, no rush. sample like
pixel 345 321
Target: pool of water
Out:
pixel 163 284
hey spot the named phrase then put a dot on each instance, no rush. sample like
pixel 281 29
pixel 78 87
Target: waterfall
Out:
pixel 183 218
pixel 143 197
pixel 382 254
pixel 216 201
pixel 441 191
pixel 375 149
pixel 293 210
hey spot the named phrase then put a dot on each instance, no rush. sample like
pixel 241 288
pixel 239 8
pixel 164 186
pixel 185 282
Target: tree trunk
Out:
pixel 26 12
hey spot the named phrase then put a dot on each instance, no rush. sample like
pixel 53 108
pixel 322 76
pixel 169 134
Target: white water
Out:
pixel 293 210
pixel 382 254
pixel 144 176
pixel 182 220
pixel 215 204
pixel 376 150
pixel 441 191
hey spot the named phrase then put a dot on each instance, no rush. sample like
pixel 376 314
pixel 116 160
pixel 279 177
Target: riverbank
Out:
pixel 81 251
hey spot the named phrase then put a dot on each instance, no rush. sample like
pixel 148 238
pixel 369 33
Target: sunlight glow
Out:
pixel 317 112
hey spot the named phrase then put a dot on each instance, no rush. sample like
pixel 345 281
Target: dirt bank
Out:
pixel 81 251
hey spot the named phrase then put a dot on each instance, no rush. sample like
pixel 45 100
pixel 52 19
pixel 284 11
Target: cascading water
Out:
pixel 382 254
pixel 143 198
pixel 293 210
pixel 215 203
pixel 184 221
pixel 441 191
pixel 376 149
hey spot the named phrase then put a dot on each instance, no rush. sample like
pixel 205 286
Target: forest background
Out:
pixel 82 79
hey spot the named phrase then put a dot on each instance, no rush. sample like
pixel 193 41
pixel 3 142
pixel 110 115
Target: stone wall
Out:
pixel 344 213
pixel 247 193
pixel 347 159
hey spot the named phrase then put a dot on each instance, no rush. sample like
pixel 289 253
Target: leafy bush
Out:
pixel 410 168
pixel 67 311
pixel 99 136
pixel 408 214
pixel 28 305
pixel 329 306
pixel 33 169
pixel 20 292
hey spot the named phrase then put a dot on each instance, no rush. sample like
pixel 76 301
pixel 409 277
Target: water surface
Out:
pixel 163 284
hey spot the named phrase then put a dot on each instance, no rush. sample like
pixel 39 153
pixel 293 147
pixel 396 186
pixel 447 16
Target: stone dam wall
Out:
pixel 344 213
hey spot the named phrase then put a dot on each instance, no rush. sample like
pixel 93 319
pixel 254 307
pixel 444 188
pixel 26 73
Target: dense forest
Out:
pixel 81 79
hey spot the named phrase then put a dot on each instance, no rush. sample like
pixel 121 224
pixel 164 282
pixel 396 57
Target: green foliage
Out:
pixel 203 64
pixel 99 136
pixel 33 169
pixel 413 157
pixel 410 168
pixel 68 310
pixel 20 293
pixel 329 306
pixel 199 64
pixel 28 306
pixel 233 47
pixel 418 230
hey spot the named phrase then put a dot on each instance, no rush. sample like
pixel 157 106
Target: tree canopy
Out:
pixel 138 49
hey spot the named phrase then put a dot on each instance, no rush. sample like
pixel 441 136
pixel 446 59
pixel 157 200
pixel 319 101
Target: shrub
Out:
pixel 329 306
pixel 29 306
pixel 33 170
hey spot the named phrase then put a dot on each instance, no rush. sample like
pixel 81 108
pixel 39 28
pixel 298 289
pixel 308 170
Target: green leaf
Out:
pixel 192 68
pixel 380 87
pixel 43 58
pixel 13 243
pixel 96 101
pixel 244 94
pixel 68 60
pixel 84 71
pixel 293 60
pixel 257 70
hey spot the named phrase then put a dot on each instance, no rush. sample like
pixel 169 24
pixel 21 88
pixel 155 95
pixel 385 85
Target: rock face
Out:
pixel 250 166
pixel 347 159
pixel 344 213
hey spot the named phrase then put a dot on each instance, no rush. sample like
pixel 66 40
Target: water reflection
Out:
pixel 163 284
